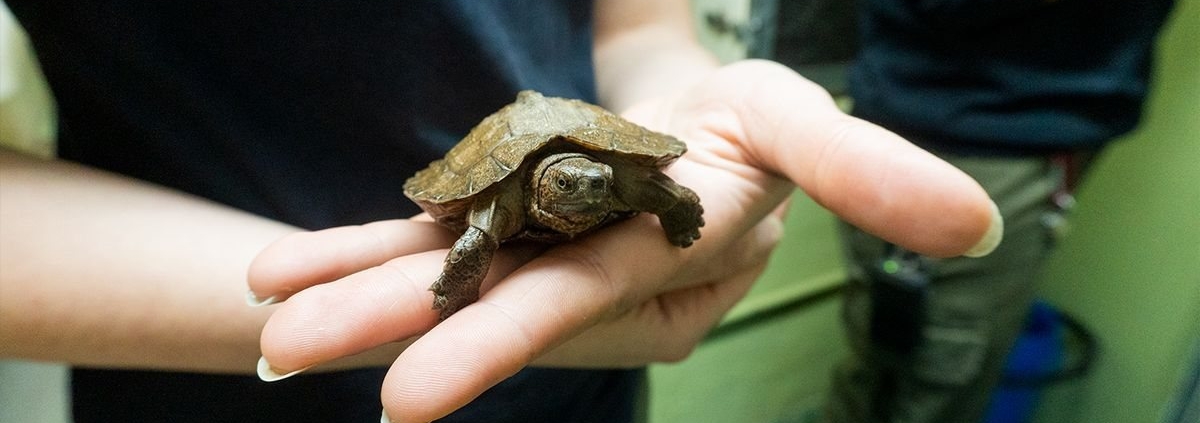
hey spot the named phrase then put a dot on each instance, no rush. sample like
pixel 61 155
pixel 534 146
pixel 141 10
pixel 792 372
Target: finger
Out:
pixel 305 259
pixel 352 314
pixel 879 182
pixel 422 217
pixel 868 176
pixel 367 309
pixel 554 298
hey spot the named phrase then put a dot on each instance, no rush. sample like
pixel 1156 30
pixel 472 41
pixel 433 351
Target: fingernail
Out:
pixel 268 374
pixel 254 301
pixel 385 419
pixel 991 239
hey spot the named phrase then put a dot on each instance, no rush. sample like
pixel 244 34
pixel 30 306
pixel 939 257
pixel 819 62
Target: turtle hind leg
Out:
pixel 463 272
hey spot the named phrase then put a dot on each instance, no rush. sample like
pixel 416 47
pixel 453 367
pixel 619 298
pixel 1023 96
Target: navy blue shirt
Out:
pixel 1008 77
pixel 312 113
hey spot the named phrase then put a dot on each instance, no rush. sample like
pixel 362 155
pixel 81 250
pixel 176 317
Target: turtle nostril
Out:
pixel 596 183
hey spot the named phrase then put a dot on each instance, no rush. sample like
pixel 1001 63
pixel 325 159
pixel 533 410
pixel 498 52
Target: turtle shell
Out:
pixel 502 142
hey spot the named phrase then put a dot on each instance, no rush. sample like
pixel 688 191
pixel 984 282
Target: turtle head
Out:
pixel 572 192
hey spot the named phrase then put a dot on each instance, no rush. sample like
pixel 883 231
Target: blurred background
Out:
pixel 1130 272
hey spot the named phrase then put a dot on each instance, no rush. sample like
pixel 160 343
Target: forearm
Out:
pixel 100 270
pixel 646 49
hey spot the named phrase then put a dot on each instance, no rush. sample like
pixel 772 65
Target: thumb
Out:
pixel 868 176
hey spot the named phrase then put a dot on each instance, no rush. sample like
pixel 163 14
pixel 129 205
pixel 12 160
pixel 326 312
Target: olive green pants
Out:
pixel 975 309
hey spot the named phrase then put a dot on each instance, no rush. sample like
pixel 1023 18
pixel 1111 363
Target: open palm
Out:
pixel 616 298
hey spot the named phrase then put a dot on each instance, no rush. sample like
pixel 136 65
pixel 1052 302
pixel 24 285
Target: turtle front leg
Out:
pixel 492 219
pixel 463 272
pixel 678 207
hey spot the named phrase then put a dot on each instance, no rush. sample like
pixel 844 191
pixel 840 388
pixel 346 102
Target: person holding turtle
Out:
pixel 190 143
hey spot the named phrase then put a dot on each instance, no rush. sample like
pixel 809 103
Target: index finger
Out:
pixel 305 259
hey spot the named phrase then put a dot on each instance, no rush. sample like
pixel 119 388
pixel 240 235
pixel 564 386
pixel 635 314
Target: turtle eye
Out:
pixel 562 183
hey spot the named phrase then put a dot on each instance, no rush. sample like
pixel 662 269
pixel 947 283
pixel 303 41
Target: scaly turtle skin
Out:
pixel 547 169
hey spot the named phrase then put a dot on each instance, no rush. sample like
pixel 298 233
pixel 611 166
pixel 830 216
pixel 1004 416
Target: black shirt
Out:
pixel 1008 77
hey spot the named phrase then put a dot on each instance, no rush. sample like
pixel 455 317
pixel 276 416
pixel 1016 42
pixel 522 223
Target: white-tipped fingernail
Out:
pixel 254 300
pixel 268 374
pixel 991 239
pixel 384 418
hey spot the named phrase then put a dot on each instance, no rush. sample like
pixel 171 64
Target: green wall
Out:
pixel 770 359
pixel 1131 267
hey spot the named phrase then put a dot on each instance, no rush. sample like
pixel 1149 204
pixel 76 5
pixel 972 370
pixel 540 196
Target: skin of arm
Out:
pixel 101 270
pixel 644 50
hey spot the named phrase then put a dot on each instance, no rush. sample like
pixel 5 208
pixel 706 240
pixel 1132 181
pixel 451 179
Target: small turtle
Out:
pixel 547 169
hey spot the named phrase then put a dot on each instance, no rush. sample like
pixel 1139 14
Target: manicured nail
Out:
pixel 268 374
pixel 254 301
pixel 992 238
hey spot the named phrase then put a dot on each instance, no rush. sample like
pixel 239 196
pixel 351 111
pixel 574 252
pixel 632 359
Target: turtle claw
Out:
pixel 439 298
pixel 685 239
pixel 683 221
pixel 442 304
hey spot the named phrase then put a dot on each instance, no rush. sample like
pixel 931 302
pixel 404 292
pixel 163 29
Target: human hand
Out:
pixel 616 298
